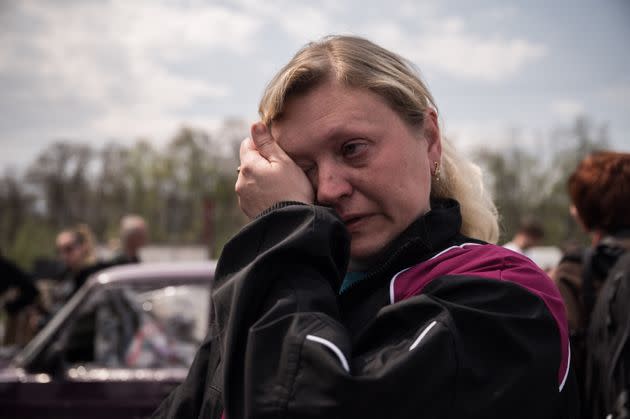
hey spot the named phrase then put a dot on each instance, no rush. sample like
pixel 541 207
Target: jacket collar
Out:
pixel 427 235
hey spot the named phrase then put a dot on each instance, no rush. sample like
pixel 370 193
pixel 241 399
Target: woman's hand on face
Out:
pixel 268 175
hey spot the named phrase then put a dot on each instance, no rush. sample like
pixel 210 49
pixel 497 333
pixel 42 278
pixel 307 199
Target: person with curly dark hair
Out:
pixel 599 189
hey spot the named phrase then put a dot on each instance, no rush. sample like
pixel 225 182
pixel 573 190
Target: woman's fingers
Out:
pixel 265 144
pixel 268 175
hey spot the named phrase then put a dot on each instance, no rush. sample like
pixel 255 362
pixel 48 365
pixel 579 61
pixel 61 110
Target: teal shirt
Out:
pixel 350 279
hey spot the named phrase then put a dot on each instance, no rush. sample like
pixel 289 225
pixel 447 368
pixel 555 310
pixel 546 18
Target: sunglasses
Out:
pixel 67 248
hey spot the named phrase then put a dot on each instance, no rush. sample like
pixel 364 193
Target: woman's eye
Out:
pixel 352 149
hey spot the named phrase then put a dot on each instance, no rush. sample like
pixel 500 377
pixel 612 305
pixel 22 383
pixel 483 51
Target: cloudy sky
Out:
pixel 96 70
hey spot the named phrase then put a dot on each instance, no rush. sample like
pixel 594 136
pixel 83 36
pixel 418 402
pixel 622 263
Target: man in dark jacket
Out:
pixel 17 291
pixel 133 236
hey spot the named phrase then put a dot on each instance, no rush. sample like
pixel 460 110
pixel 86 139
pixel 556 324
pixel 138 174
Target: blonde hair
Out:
pixel 359 63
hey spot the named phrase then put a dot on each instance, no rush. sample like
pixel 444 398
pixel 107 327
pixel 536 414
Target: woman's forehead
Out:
pixel 328 99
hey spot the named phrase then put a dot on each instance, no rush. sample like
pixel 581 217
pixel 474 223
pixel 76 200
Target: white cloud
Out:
pixel 153 125
pixel 501 13
pixel 490 60
pixel 409 8
pixel 617 95
pixel 120 60
pixel 471 135
pixel 122 69
pixel 434 39
pixel 449 47
pixel 307 22
pixel 300 21
pixel 567 108
pixel 173 30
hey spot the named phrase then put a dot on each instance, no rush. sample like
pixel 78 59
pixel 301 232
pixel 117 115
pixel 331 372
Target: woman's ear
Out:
pixel 432 135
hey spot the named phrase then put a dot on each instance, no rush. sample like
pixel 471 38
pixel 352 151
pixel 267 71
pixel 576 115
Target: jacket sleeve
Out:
pixel 197 396
pixel 287 354
pixel 285 350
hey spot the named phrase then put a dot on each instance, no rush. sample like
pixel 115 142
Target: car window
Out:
pixel 139 327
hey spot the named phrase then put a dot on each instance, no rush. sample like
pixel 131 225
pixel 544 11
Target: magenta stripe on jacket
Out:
pixel 491 262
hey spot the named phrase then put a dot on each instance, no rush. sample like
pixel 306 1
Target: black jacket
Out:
pixel 445 326
pixel 11 276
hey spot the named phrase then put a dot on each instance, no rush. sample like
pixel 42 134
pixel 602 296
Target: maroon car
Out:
pixel 118 347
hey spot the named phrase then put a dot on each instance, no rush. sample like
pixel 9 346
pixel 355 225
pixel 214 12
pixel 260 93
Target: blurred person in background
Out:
pixel 529 234
pixel 133 236
pixel 17 294
pixel 364 285
pixel 75 249
pixel 599 190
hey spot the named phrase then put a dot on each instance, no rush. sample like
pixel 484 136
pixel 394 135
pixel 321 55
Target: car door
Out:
pixel 118 354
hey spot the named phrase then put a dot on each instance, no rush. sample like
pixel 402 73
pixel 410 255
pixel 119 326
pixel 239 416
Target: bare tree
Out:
pixel 61 174
pixel 532 181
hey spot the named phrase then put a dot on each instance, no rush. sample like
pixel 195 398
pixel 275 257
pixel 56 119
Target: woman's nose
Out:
pixel 332 184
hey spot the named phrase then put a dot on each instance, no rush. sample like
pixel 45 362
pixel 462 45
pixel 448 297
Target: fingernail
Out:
pixel 260 128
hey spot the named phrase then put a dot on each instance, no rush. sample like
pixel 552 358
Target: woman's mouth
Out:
pixel 354 222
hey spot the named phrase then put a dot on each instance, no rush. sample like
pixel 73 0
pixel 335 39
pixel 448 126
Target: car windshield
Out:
pixel 130 326
pixel 152 328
